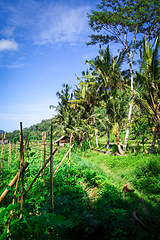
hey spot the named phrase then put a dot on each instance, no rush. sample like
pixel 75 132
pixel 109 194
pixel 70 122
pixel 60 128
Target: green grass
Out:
pixel 90 204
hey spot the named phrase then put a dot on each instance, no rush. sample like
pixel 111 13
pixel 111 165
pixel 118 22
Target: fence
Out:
pixel 23 165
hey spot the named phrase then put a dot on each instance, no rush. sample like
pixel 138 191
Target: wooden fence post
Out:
pixel 16 148
pixel 37 148
pixel 44 153
pixel 69 154
pixel 21 160
pixel 10 151
pixel 51 172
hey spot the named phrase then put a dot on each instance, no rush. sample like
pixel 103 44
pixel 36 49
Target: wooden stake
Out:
pixel 11 212
pixel 62 160
pixel 51 173
pixel 21 160
pixel 55 151
pixel 37 149
pixel 10 151
pixel 41 151
pixel 16 148
pixel 2 149
pixel 44 154
pixel 69 154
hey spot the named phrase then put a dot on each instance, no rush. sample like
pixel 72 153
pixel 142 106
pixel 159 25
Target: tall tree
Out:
pixel 148 97
pixel 106 71
pixel 86 100
pixel 63 118
pixel 123 21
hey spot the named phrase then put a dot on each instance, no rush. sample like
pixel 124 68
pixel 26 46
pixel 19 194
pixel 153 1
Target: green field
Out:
pixel 89 204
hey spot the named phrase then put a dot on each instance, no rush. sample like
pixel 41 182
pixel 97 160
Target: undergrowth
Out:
pixel 89 204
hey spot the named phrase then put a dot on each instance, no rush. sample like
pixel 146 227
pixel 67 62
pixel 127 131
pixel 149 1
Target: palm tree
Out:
pixel 64 117
pixel 106 71
pixel 86 100
pixel 117 112
pixel 148 97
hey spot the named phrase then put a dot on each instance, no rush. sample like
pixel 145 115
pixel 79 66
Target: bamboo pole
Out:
pixel 37 149
pixel 51 173
pixel 21 160
pixel 47 161
pixel 13 181
pixel 2 149
pixel 13 200
pixel 44 153
pixel 16 148
pixel 10 151
pixel 41 150
pixel 69 154
pixel 62 160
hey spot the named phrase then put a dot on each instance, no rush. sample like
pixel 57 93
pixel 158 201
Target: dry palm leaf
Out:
pixel 126 189
pixel 136 219
pixel 146 210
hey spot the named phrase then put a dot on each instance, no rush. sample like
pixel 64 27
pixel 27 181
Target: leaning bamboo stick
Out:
pixel 62 160
pixel 55 151
pixel 11 212
pixel 13 181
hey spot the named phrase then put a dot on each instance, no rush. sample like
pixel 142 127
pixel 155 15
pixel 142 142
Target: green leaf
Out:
pixel 41 222
pixel 14 225
pixel 9 188
pixel 2 213
pixel 3 236
pixel 11 207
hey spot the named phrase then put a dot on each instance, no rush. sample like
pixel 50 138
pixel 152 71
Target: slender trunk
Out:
pixel 95 130
pixel 108 137
pixel 153 144
pixel 158 135
pixel 118 144
pixel 130 59
pixel 128 126
pixel 107 124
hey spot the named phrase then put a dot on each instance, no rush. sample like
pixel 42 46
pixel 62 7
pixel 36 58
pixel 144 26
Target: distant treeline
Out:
pixel 35 131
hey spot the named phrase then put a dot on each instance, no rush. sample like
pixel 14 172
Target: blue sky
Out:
pixel 42 46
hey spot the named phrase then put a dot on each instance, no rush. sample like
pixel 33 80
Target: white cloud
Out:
pixel 7 31
pixel 62 24
pixel 44 23
pixel 8 45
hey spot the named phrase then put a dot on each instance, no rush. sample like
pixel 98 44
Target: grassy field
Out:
pixel 88 205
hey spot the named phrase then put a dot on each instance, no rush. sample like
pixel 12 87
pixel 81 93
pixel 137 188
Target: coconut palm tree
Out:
pixel 148 96
pixel 106 71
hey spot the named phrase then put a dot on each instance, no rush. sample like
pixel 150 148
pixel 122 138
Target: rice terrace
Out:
pixel 92 171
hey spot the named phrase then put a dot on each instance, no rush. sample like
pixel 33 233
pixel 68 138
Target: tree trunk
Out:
pixel 158 137
pixel 94 124
pixel 153 144
pixel 108 138
pixel 118 144
pixel 128 126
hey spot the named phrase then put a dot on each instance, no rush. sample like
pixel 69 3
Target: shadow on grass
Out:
pixel 109 217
